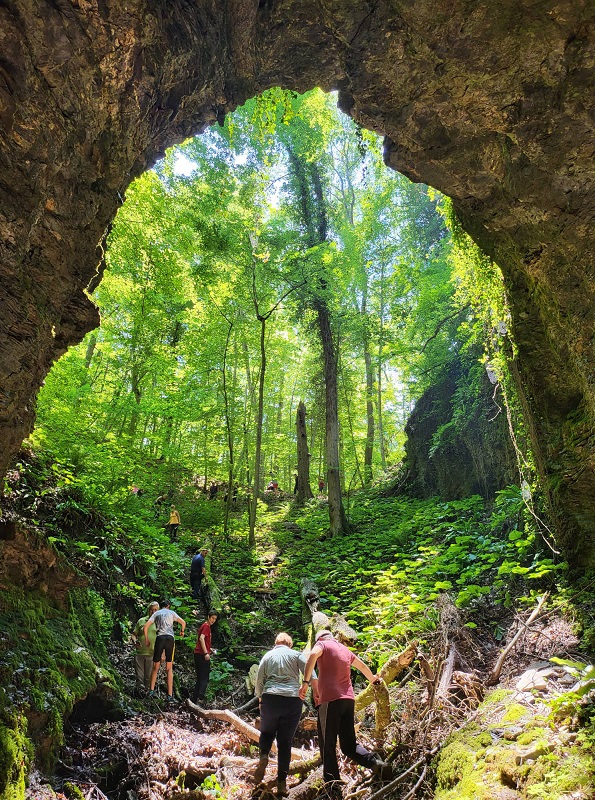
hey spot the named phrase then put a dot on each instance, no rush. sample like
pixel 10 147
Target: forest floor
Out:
pixel 453 581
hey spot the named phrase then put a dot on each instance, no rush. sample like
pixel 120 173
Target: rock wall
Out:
pixel 489 102
pixel 454 455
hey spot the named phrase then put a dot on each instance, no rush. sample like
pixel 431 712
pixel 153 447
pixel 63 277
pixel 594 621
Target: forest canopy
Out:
pixel 286 209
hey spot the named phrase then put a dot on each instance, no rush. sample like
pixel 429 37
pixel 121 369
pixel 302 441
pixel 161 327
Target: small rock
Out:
pixel 512 734
pixel 531 679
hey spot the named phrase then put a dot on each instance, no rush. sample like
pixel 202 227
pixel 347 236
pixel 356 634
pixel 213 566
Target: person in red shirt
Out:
pixel 202 658
pixel 335 699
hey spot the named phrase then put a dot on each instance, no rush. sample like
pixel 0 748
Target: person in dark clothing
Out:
pixel 198 572
pixel 277 687
pixel 202 658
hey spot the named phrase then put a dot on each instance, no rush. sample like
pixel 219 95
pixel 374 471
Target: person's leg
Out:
pixel 328 728
pixel 168 647
pixel 154 672
pixel 289 719
pixel 347 740
pixel 139 671
pixel 202 668
pixel 195 582
pixel 147 670
pixel 269 715
pixel 268 730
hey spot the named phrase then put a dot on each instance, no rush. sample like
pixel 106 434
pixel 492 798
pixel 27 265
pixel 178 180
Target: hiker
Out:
pixel 174 523
pixel 163 620
pixel 202 658
pixel 198 571
pixel 143 656
pixel 277 688
pixel 158 504
pixel 335 699
pixel 320 485
pixel 213 489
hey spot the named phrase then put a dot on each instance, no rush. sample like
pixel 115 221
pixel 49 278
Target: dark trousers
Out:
pixel 195 581
pixel 279 718
pixel 203 670
pixel 336 719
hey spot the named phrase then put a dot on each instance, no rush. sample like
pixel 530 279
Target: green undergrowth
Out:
pixel 509 747
pixel 387 575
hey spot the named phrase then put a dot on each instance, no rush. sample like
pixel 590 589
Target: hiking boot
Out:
pixel 261 769
pixel 152 693
pixel 169 700
pixel 282 789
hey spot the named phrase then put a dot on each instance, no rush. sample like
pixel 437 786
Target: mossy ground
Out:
pixel 480 763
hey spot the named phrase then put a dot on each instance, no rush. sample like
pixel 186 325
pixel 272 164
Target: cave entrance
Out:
pixel 287 202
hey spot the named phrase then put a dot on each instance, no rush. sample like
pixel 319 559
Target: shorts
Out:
pixel 164 643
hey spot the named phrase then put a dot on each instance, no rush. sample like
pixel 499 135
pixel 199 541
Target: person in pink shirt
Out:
pixel 335 699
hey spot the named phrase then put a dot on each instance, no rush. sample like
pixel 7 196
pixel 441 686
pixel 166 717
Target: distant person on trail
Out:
pixel 198 572
pixel 163 620
pixel 143 657
pixel 174 523
pixel 320 485
pixel 158 504
pixel 213 489
pixel 335 699
pixel 277 688
pixel 202 658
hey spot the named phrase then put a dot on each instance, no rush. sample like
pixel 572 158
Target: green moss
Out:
pixel 515 712
pixel 73 792
pixel 15 755
pixel 459 755
pixel 497 696
pixel 533 735
pixel 50 661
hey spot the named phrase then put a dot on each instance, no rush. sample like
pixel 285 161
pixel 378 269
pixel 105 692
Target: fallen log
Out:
pixel 305 765
pixel 388 672
pixel 495 673
pixel 308 789
pixel 446 673
pixel 251 704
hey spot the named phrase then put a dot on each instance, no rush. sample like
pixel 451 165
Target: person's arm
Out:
pixel 315 654
pixel 260 679
pixel 182 623
pixel 203 646
pixel 145 630
pixel 365 670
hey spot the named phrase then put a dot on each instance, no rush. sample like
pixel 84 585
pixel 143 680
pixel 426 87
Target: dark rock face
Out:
pixel 489 102
pixel 451 458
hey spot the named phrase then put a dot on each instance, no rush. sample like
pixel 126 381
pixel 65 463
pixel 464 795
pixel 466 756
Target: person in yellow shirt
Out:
pixel 174 523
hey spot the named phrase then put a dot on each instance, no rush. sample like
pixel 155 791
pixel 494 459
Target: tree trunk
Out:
pixel 258 445
pixel 304 492
pixel 369 451
pixel 337 519
pixel 379 383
